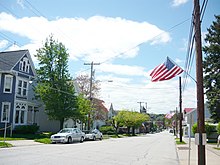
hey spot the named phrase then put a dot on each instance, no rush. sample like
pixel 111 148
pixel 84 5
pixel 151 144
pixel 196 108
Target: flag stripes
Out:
pixel 165 71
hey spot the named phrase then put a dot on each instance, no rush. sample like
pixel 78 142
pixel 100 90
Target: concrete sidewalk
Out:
pixel 212 155
pixel 21 143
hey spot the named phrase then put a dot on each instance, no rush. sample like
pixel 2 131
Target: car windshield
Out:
pixel 65 131
pixel 94 131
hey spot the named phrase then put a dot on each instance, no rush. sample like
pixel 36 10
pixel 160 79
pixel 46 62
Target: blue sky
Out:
pixel 128 37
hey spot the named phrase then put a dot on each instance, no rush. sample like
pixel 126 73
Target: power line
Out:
pixel 37 12
pixel 190 51
pixel 170 29
pixel 133 87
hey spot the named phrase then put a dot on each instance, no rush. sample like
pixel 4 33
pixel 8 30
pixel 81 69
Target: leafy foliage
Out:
pixel 130 119
pixel 55 87
pixel 107 130
pixel 208 128
pixel 218 128
pixel 5 144
pixel 211 67
pixel 84 107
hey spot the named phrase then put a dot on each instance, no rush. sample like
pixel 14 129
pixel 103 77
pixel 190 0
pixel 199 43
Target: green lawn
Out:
pixel 5 144
pixel 178 141
pixel 42 137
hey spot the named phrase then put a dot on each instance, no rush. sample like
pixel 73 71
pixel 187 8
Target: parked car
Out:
pixel 93 135
pixel 68 135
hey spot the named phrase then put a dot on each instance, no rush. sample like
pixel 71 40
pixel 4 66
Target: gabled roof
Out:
pixel 9 59
pixel 187 110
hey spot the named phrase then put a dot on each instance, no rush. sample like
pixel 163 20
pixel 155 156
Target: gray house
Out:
pixel 17 106
pixel 190 117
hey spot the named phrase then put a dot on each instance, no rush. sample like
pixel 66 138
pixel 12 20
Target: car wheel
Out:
pixel 94 138
pixel 100 138
pixel 81 139
pixel 69 140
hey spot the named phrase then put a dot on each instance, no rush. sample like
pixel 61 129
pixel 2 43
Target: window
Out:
pixel 20 113
pixel 8 84
pixel 5 116
pixel 22 88
pixel 24 65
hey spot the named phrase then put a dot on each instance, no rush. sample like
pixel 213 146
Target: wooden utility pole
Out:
pixel 90 88
pixel 199 77
pixel 176 124
pixel 181 114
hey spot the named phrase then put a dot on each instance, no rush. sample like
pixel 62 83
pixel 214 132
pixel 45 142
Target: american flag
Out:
pixel 165 71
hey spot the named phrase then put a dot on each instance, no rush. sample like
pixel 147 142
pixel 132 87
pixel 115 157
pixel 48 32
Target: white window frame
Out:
pixel 22 88
pixel 7 115
pixel 24 65
pixel 22 113
pixel 10 85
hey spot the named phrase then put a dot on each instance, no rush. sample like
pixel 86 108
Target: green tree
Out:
pixel 54 85
pixel 84 107
pixel 209 129
pixel 130 119
pixel 211 67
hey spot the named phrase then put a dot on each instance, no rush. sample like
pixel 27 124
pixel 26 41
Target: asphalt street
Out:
pixel 150 149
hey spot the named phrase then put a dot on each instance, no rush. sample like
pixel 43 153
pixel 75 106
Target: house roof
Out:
pixel 187 110
pixel 9 59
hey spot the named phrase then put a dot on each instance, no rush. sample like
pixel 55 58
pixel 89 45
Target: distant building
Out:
pixel 190 118
pixel 112 112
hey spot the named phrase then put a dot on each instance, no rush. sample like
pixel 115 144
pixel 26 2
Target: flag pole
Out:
pixel 183 70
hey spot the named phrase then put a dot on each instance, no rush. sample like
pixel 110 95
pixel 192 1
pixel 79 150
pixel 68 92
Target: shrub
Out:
pixel 26 129
pixel 107 130
pixel 208 128
pixel 194 128
pixel 218 128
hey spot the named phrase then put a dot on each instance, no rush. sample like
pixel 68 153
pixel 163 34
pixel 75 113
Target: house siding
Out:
pixel 7 97
pixel 28 100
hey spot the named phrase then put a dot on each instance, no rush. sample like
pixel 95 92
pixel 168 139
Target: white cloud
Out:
pixel 178 61
pixel 96 38
pixel 3 43
pixel 176 3
pixel 101 39
pixel 123 70
pixel 157 95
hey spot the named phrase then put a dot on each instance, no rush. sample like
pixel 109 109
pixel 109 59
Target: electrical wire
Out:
pixel 37 12
pixel 190 50
pixel 170 29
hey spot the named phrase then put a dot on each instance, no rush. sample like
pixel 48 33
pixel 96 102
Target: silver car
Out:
pixel 93 135
pixel 68 135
